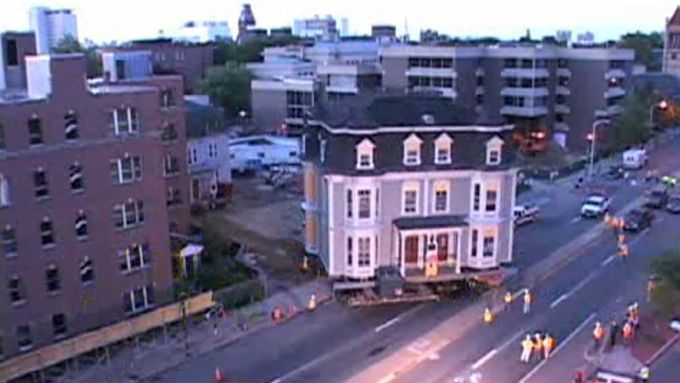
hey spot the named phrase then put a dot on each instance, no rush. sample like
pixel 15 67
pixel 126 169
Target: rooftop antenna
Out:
pixel 406 29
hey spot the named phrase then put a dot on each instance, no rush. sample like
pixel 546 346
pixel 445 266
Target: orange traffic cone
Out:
pixel 218 375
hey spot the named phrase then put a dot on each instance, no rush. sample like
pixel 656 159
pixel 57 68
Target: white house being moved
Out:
pixel 263 151
pixel 411 186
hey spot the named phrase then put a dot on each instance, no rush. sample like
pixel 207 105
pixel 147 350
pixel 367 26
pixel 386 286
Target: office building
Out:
pixel 323 28
pixel 51 26
pixel 671 44
pixel 202 32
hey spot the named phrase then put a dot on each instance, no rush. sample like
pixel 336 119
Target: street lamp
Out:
pixel 663 104
pixel 592 136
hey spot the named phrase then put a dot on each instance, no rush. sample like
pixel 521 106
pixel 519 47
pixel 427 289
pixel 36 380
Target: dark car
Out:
pixel 637 220
pixel 673 205
pixel 657 199
pixel 614 173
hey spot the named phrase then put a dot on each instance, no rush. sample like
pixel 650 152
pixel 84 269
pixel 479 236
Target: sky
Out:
pixel 121 20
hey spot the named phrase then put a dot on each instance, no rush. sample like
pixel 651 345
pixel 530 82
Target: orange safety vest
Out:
pixel 538 344
pixel 598 333
pixel 507 298
pixel 627 331
pixel 527 297
pixel 548 343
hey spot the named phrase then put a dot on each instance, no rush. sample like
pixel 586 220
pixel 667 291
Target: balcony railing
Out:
pixel 524 111
pixel 525 73
pixel 616 91
pixel 432 72
pixel 524 92
pixel 614 73
pixel 562 109
pixel 562 90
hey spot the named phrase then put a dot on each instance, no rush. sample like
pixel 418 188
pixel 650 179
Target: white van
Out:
pixel 634 158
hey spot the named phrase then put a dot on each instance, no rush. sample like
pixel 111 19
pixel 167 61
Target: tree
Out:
pixel 249 51
pixel 70 45
pixel 228 86
pixel 666 294
pixel 632 126
pixel 643 44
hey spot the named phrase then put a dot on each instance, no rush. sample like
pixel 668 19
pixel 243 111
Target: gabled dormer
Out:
pixel 412 150
pixel 493 151
pixel 442 149
pixel 365 150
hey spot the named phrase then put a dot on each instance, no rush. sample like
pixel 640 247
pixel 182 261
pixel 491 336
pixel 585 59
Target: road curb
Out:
pixel 662 350
pixel 228 341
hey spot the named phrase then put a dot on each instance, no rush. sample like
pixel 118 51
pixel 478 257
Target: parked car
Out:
pixel 614 173
pixel 637 220
pixel 673 205
pixel 669 181
pixel 595 206
pixel 523 214
pixel 657 199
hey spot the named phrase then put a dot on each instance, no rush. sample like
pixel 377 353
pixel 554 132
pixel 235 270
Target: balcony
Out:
pixel 432 72
pixel 524 111
pixel 344 89
pixel 563 72
pixel 479 90
pixel 613 92
pixel 614 73
pixel 562 109
pixel 525 73
pixel 562 90
pixel 524 92
pixel 610 111
pixel 445 92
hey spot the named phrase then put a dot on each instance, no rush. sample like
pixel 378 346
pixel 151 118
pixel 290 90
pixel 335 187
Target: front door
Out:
pixel 442 247
pixel 411 249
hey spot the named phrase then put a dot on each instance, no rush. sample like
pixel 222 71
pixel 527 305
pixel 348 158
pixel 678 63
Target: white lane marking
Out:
pixel 511 340
pixel 608 260
pixel 582 283
pixel 388 378
pixel 484 359
pixel 389 323
pixel 559 300
pixel 575 219
pixel 277 380
pixel 518 293
pixel 559 347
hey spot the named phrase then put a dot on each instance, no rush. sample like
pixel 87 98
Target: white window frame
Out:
pixel 131 296
pixel 123 209
pixel 128 117
pixel 212 150
pixel 5 199
pixel 322 151
pixel 127 254
pixel 412 144
pixel 441 186
pixel 493 234
pixel 494 145
pixel 490 186
pixel 443 142
pixel 370 203
pixel 365 148
pixel 303 144
pixel 363 239
pixel 410 187
pixel 119 162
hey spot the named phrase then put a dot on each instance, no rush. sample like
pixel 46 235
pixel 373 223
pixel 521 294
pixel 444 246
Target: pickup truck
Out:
pixel 523 214
pixel 595 206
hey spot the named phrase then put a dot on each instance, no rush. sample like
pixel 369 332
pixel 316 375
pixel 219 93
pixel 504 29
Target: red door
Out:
pixel 411 249
pixel 442 247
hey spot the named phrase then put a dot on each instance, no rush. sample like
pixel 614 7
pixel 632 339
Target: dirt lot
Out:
pixel 269 222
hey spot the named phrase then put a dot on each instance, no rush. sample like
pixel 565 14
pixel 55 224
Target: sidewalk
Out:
pixel 138 363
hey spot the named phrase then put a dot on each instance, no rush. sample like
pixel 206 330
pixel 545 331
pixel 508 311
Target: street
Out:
pixel 335 343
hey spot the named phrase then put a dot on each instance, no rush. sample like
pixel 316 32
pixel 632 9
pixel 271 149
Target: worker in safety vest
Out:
pixel 538 345
pixel 311 305
pixel 507 300
pixel 644 374
pixel 527 348
pixel 548 345
pixel 623 250
pixel 628 332
pixel 527 301
pixel 634 315
pixel 598 334
pixel 488 316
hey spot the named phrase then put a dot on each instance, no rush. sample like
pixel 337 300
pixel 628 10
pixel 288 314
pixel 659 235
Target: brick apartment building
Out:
pixel 191 61
pixel 547 92
pixel 89 192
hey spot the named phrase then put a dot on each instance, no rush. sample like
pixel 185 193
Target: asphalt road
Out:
pixel 667 368
pixel 335 342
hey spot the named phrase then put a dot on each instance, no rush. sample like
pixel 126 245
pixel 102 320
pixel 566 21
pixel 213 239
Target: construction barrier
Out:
pixel 86 342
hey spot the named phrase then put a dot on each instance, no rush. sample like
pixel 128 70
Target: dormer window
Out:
pixel 493 151
pixel 365 155
pixel 412 150
pixel 442 149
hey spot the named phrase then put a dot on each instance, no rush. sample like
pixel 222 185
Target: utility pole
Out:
pixel 183 317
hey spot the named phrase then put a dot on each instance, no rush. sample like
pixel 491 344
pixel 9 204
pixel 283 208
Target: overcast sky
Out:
pixel 120 20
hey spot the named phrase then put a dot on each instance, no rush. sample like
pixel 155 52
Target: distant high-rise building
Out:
pixel 384 33
pixel 563 36
pixel 671 44
pixel 245 21
pixel 202 32
pixel 586 38
pixel 51 26
pixel 325 28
